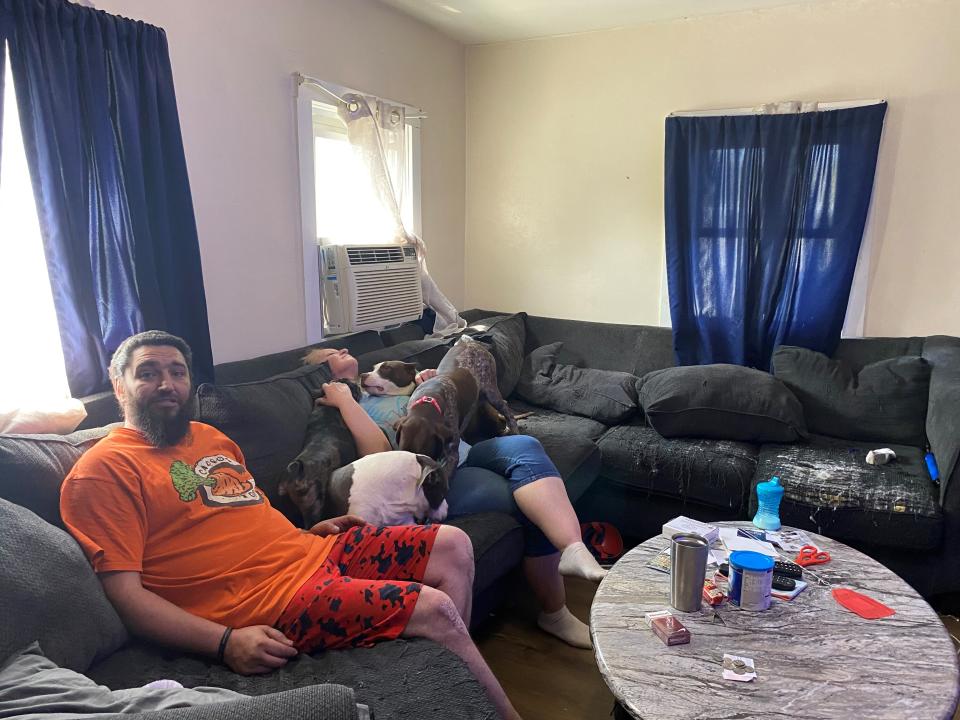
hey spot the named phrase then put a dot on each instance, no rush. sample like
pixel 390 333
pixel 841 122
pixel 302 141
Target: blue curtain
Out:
pixel 106 159
pixel 764 218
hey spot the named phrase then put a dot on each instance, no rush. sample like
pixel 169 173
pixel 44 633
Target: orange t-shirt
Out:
pixel 191 520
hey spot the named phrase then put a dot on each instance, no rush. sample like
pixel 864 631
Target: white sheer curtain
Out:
pixel 379 139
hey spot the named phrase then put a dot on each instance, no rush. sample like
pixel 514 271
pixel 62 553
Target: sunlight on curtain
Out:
pixel 347 207
pixel 33 382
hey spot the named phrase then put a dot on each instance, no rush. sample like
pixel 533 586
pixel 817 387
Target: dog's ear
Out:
pixel 444 439
pixel 398 428
pixel 428 466
pixel 410 366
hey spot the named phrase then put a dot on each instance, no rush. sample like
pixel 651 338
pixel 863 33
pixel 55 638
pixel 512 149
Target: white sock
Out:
pixel 577 561
pixel 564 625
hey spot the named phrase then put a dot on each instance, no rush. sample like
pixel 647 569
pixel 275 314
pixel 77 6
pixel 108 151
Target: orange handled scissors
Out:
pixel 809 555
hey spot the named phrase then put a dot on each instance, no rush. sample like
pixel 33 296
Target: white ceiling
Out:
pixel 488 21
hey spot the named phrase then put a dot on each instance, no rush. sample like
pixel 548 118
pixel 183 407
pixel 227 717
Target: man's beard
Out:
pixel 160 429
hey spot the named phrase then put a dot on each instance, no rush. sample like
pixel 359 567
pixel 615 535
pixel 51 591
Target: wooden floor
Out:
pixel 547 679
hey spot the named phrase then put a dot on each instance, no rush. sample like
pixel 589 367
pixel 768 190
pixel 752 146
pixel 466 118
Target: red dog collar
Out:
pixel 428 400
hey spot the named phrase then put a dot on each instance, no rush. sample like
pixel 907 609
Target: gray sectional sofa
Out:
pixel 895 513
pixel 617 468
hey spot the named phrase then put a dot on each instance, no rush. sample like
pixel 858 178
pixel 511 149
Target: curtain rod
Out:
pixel 416 114
pixel 758 110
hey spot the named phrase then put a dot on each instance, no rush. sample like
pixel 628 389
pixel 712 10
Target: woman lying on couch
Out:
pixel 510 474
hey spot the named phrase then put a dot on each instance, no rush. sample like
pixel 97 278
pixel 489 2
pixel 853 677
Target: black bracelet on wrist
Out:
pixel 223 644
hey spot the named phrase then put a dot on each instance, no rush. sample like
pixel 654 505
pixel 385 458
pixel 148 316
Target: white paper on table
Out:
pixel 734 542
pixel 790 540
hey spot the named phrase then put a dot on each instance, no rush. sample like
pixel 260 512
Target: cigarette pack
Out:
pixel 670 630
pixel 712 595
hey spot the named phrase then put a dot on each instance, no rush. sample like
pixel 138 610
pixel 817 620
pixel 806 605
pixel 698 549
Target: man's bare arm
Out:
pixel 254 649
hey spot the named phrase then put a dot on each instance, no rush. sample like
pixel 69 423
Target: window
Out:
pixel 32 374
pixel 347 210
pixel 338 199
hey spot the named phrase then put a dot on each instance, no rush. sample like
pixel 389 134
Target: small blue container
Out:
pixel 751 579
pixel 769 495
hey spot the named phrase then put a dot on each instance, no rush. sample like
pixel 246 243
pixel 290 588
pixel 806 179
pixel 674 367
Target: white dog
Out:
pixel 385 489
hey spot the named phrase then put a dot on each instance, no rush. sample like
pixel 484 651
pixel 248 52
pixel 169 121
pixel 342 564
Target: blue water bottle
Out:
pixel 769 495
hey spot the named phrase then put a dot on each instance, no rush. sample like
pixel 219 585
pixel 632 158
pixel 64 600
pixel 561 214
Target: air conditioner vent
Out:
pixel 370 287
pixel 374 255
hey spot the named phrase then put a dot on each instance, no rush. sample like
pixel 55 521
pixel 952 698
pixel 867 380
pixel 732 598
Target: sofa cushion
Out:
pixel 604 395
pixel 505 336
pixel 50 594
pixel 32 468
pixel 424 353
pixel 885 401
pixel 396 679
pixel 723 402
pixel 829 488
pixel 713 472
pixel 569 441
pixel 267 419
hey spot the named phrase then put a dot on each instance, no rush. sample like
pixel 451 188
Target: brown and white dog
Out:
pixel 493 416
pixel 391 377
pixel 437 411
pixel 387 488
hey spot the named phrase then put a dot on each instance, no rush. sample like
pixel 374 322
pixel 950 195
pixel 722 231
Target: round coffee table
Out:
pixel 814 659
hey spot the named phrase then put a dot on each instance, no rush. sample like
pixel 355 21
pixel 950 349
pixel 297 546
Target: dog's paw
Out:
pixel 440 514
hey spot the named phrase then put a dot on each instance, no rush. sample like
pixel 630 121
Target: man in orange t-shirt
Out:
pixel 191 553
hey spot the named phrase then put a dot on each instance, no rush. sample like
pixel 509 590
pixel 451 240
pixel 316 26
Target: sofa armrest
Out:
pixel 943 411
pixel 316 702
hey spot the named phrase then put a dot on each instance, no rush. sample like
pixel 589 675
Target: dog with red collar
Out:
pixel 438 410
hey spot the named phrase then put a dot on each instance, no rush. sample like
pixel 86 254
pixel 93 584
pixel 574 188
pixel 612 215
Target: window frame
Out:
pixel 306 94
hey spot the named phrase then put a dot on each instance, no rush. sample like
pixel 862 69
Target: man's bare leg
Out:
pixel 437 618
pixel 451 568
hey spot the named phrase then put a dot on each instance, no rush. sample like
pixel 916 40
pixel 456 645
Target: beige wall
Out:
pixel 232 64
pixel 565 151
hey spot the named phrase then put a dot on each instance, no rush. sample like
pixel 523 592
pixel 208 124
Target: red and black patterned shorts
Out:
pixel 365 590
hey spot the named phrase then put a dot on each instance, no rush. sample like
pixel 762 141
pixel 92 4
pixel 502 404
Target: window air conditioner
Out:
pixel 368 287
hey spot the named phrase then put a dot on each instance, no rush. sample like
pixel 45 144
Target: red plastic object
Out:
pixel 809 555
pixel 865 607
pixel 603 540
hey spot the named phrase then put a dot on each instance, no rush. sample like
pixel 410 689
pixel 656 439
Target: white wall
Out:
pixel 565 151
pixel 232 64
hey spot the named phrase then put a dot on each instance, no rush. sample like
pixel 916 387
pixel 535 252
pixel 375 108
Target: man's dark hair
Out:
pixel 121 358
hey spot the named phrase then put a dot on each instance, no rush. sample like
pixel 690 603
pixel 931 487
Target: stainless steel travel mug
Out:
pixel 688 565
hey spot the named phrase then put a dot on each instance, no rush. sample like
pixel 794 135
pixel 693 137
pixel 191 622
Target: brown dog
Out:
pixel 437 411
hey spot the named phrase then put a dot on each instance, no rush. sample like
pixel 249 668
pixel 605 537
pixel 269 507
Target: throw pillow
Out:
pixel 51 594
pixel 267 419
pixel 721 402
pixel 505 335
pixel 32 468
pixel 607 396
pixel 885 402
pixel 424 353
pixel 32 685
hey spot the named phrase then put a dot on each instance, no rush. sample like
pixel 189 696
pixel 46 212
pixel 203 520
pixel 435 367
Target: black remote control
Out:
pixel 782 582
pixel 787 568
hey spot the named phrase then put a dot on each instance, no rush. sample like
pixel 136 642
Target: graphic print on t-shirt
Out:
pixel 218 479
